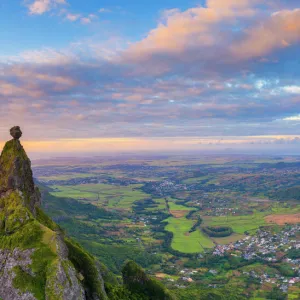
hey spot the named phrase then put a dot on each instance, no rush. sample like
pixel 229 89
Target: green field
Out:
pixel 174 206
pixel 112 196
pixel 239 224
pixel 67 176
pixel 161 205
pixel 184 242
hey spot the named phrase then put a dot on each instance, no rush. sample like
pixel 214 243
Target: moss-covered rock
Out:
pixel 35 261
pixel 16 174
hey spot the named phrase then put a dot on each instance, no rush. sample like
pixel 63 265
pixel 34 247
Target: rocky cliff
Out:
pixel 36 260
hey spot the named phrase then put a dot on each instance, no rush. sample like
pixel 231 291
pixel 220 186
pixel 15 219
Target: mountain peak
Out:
pixel 15 171
pixel 37 261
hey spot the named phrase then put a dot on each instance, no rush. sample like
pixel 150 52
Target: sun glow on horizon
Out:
pixel 154 144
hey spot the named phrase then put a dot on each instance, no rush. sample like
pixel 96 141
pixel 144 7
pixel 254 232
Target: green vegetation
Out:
pixel 102 194
pixel 239 224
pixel 288 194
pixel 219 231
pixel 184 241
pixel 160 223
pixel 174 206
pixel 88 266
pixel 136 280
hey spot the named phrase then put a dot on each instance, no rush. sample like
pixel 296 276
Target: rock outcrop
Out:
pixel 16 132
pixel 16 173
pixel 36 260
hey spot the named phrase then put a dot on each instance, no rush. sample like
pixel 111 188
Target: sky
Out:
pixel 161 75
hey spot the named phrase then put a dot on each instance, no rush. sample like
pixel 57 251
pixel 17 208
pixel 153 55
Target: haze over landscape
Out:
pixel 102 76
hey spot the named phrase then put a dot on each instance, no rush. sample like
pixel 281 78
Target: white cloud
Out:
pixel 104 10
pixel 73 17
pixel 293 118
pixel 39 7
pixel 292 89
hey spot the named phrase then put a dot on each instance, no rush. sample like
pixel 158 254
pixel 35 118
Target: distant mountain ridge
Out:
pixel 37 260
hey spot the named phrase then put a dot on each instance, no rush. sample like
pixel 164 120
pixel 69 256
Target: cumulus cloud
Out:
pixel 194 35
pixel 280 30
pixel 39 7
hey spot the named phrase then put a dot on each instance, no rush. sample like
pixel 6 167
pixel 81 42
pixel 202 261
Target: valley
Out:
pixel 182 218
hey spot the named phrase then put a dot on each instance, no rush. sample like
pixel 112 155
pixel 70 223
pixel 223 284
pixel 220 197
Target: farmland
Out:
pixel 102 194
pixel 156 210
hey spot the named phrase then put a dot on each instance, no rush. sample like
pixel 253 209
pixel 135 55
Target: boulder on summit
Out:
pixel 16 132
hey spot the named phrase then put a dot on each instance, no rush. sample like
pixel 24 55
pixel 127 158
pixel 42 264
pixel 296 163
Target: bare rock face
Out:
pixel 8 261
pixel 65 284
pixel 16 132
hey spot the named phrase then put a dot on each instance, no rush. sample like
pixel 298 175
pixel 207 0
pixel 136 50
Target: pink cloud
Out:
pixel 39 7
pixel 195 27
pixel 281 30
pixel 72 17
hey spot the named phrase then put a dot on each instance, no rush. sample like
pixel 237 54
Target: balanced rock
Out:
pixel 16 132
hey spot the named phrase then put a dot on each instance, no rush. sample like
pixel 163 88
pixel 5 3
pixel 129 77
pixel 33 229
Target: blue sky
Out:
pixel 25 31
pixel 196 73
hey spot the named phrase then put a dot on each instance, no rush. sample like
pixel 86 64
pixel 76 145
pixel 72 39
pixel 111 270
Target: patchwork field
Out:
pixel 126 206
pixel 103 194
pixel 179 211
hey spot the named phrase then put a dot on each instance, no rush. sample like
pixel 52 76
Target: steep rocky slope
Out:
pixel 36 260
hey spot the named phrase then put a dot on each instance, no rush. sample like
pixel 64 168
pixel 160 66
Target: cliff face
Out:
pixel 16 174
pixel 36 260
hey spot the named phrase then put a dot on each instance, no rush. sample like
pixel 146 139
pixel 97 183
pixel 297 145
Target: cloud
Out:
pixel 222 38
pixel 280 30
pixel 194 35
pixel 183 79
pixel 292 118
pixel 88 19
pixel 104 10
pixel 72 17
pixel 39 7
pixel 293 89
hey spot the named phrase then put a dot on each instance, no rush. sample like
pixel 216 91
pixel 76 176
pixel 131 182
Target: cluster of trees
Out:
pixel 138 282
pixel 221 231
pixel 287 194
pixel 294 253
pixel 196 225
